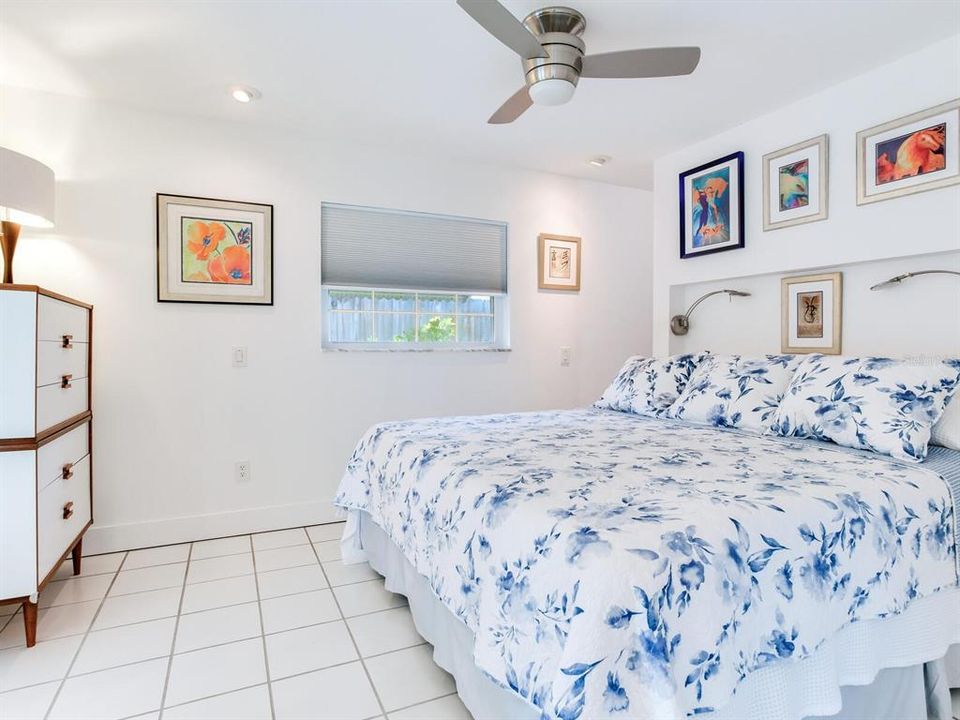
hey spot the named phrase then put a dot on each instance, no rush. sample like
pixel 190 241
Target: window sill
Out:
pixel 335 349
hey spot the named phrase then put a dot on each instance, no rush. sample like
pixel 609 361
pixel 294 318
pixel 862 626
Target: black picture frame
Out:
pixel 736 188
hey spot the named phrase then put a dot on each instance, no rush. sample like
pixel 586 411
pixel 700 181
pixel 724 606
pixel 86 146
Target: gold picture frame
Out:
pixel 558 262
pixel 900 157
pixel 812 313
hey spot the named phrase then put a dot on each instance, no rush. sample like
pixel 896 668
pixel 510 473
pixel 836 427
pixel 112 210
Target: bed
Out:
pixel 592 564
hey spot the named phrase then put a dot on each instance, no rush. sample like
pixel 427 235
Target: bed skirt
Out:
pixel 898 668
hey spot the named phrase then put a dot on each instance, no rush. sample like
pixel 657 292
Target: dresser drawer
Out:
pixel 54 361
pixel 58 458
pixel 56 403
pixel 56 318
pixel 63 510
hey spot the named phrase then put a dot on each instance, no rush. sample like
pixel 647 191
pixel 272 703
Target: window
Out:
pixel 401 280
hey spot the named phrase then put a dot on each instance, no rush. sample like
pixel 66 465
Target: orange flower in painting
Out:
pixel 231 266
pixel 203 238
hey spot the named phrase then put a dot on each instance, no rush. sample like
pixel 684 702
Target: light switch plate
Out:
pixel 566 355
pixel 239 356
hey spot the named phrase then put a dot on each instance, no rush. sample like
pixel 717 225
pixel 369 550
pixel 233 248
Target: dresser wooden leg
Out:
pixel 77 556
pixel 30 622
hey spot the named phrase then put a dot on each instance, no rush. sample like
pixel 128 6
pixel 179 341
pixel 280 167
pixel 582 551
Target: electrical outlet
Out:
pixel 566 354
pixel 239 356
pixel 243 471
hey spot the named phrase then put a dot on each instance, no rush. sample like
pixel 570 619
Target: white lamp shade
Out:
pixel 26 190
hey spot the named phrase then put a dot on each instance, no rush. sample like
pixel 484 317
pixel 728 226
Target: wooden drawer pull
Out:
pixel 67 471
pixel 65 381
pixel 68 341
pixel 68 510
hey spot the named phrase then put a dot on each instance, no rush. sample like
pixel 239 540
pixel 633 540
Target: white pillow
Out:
pixel 946 430
pixel 736 391
pixel 887 406
pixel 648 386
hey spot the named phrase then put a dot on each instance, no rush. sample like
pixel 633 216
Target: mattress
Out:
pixel 612 565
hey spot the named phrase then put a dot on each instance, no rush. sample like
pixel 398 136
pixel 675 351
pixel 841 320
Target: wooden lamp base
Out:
pixel 11 231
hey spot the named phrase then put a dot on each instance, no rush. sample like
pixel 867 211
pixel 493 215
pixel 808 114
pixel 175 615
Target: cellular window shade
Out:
pixel 371 247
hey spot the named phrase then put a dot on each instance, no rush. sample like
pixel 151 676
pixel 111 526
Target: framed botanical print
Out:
pixel 795 184
pixel 909 155
pixel 711 207
pixel 559 262
pixel 214 251
pixel 811 307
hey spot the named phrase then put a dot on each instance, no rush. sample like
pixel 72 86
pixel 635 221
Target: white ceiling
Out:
pixel 422 76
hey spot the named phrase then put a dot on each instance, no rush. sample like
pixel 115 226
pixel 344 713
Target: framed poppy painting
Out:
pixel 214 251
pixel 711 207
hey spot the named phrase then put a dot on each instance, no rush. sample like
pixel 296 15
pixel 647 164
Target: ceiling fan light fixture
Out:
pixel 552 91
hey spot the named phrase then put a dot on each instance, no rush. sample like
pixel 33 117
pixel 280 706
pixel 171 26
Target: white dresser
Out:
pixel 45 440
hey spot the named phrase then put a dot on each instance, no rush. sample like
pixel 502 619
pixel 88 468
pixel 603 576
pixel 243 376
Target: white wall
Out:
pixel 919 224
pixel 172 416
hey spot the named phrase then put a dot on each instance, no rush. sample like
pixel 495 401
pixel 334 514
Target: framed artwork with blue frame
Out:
pixel 711 207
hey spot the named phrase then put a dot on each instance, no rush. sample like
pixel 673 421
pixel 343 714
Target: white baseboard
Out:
pixel 168 531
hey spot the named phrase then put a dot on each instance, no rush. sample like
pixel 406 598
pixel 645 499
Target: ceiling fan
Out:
pixel 548 41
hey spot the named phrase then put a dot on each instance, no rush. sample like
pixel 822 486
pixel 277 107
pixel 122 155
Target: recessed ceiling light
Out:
pixel 599 160
pixel 244 93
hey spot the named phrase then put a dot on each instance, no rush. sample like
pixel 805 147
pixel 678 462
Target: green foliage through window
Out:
pixel 390 316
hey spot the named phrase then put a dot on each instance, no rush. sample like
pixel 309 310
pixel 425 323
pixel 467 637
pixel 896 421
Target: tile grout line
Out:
pixel 221 537
pixel 176 628
pixel 424 702
pixel 263 637
pixel 223 644
pixel 76 654
pixel 94 630
pixel 356 647
pixel 227 577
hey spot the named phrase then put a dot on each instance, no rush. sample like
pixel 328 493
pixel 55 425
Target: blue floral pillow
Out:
pixel 648 386
pixel 887 406
pixel 735 391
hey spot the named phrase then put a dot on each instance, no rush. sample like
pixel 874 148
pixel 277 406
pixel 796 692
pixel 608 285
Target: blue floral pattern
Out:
pixel 648 386
pixel 611 565
pixel 734 391
pixel 877 404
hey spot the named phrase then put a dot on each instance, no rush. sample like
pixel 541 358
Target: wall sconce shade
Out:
pixel 26 198
pixel 680 324
pixel 900 278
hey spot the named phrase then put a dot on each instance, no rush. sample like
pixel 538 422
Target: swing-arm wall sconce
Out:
pixel 680 324
pixel 900 278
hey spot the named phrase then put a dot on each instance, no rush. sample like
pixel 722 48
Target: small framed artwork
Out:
pixel 811 313
pixel 559 262
pixel 909 155
pixel 214 251
pixel 711 207
pixel 795 184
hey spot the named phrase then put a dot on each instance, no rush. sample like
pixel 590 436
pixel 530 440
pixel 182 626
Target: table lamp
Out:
pixel 26 198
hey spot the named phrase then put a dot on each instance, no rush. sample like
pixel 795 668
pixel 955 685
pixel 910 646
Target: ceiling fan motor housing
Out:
pixel 558 29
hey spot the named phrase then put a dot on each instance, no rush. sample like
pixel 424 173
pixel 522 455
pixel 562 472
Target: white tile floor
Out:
pixel 264 626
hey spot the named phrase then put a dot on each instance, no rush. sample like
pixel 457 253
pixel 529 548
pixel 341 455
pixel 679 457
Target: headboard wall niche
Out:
pixel 920 316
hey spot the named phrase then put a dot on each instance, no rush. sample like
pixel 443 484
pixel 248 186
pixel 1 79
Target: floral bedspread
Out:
pixel 611 565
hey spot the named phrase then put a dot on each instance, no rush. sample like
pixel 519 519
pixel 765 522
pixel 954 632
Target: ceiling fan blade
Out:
pixel 514 107
pixel 501 23
pixel 642 63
